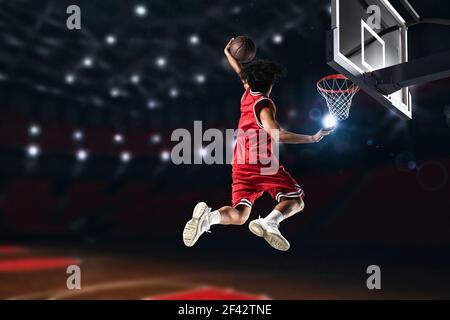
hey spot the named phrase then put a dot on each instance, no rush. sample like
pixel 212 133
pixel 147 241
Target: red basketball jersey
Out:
pixel 253 144
pixel 249 183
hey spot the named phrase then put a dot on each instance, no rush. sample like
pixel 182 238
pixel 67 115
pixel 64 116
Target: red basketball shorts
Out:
pixel 249 185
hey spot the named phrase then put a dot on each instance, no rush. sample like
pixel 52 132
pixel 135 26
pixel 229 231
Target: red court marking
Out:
pixel 208 294
pixel 8 249
pixel 37 264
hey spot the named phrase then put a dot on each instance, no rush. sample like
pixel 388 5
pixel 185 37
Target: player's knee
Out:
pixel 300 205
pixel 241 220
pixel 242 215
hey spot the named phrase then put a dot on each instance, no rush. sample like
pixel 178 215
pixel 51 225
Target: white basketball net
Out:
pixel 338 91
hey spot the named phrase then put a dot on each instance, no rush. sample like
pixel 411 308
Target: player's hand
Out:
pixel 227 48
pixel 322 133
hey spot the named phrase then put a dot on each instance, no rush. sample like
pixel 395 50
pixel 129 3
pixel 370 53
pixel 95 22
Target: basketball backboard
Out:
pixel 366 36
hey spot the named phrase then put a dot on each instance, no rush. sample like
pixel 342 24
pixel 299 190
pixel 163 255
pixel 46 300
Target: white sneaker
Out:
pixel 270 232
pixel 198 225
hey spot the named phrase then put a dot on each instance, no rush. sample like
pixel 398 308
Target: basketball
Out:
pixel 243 49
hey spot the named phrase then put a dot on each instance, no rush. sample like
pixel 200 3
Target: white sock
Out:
pixel 275 217
pixel 214 217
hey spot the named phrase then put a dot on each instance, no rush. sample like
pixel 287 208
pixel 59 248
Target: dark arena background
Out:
pixel 86 118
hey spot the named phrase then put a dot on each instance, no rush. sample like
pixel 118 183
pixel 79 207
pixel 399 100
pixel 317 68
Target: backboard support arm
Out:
pixel 410 10
pixel 416 72
pixel 436 21
pixel 418 19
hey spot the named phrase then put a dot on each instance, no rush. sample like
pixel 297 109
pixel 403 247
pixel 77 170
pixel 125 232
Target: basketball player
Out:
pixel 258 113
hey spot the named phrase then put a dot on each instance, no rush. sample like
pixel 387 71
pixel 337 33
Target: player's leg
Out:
pixel 243 196
pixel 234 215
pixel 268 228
pixel 203 218
pixel 286 209
pixel 288 193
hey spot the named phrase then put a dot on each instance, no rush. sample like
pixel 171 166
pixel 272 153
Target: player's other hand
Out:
pixel 227 48
pixel 322 133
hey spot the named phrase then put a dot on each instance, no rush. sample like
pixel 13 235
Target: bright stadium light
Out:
pixel 161 62
pixel 165 156
pixel 118 138
pixel 125 157
pixel 111 39
pixel 33 151
pixel 114 92
pixel 152 104
pixel 88 62
pixel 277 38
pixel 156 138
pixel 173 93
pixel 78 135
pixel 194 39
pixel 140 10
pixel 329 122
pixel 34 130
pixel 70 78
pixel 200 78
pixel 202 152
pixel 82 155
pixel 135 78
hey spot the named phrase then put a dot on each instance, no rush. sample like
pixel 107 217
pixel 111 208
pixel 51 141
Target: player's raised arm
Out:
pixel 232 61
pixel 270 124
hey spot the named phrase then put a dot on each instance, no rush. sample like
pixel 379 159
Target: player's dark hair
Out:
pixel 260 75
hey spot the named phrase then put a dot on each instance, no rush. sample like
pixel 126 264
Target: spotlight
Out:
pixel 125 157
pixel 200 78
pixel 88 62
pixel 156 139
pixel 202 152
pixel 70 78
pixel 173 93
pixel 165 156
pixel 135 78
pixel 78 135
pixel 161 62
pixel 140 10
pixel 111 39
pixel 118 138
pixel 33 151
pixel 152 104
pixel 115 92
pixel 82 155
pixel 277 38
pixel 34 130
pixel 194 39
pixel 329 122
